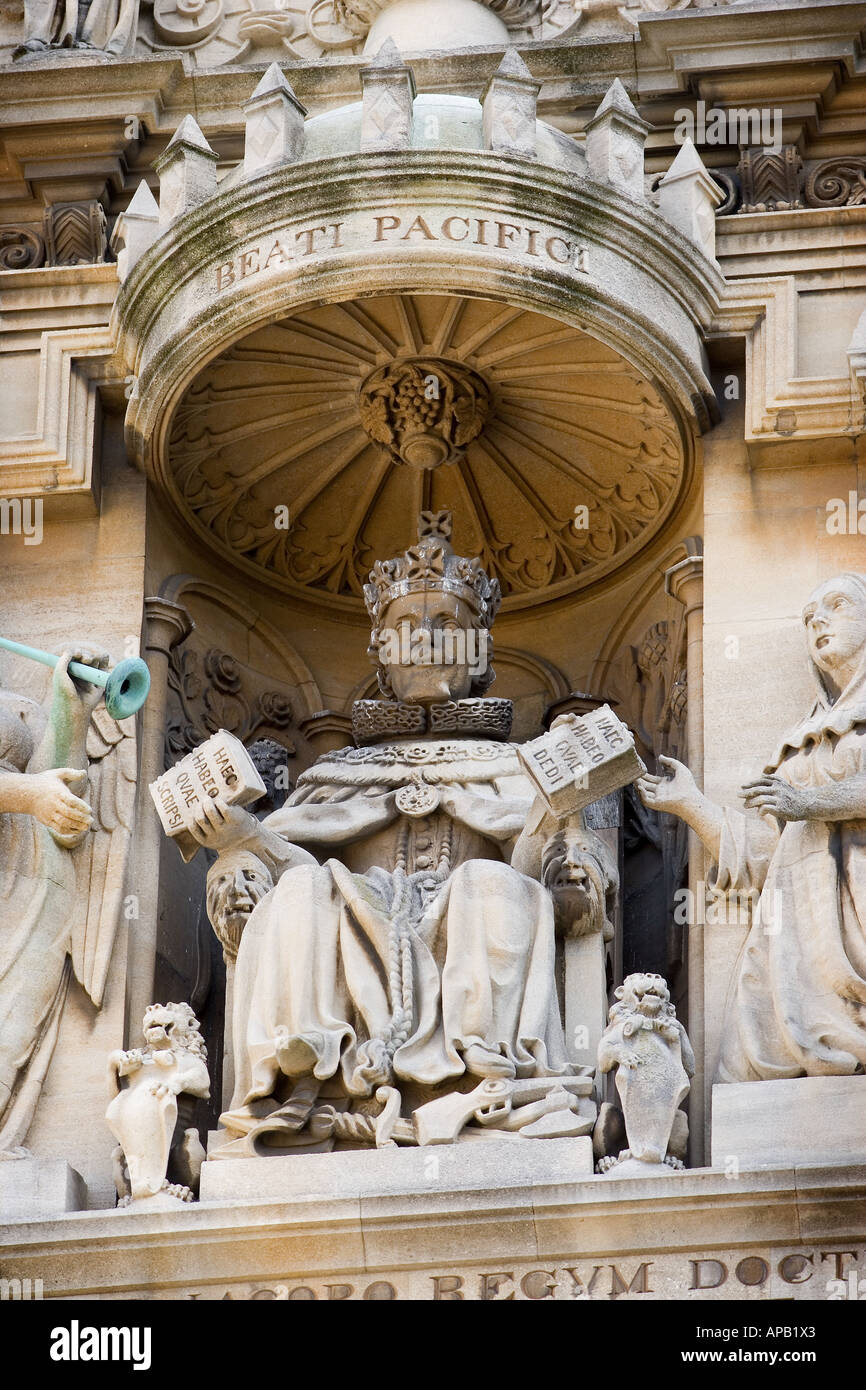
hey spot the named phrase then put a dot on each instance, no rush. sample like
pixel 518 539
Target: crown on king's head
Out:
pixel 432 564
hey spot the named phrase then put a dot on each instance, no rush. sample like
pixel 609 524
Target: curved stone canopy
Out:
pixel 284 326
pixel 284 452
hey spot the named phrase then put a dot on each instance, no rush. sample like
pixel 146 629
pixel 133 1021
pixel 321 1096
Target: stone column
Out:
pixel 685 583
pixel 167 624
pixel 585 958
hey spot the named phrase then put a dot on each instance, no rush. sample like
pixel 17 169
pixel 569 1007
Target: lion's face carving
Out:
pixel 645 994
pixel 173 1025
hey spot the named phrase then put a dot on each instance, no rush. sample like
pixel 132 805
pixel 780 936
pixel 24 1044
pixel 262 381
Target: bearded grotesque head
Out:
pixel 581 874
pixel 235 883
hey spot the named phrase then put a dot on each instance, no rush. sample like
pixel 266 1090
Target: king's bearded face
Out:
pixel 431 647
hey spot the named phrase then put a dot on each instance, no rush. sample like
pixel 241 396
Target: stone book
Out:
pixel 220 768
pixel 581 761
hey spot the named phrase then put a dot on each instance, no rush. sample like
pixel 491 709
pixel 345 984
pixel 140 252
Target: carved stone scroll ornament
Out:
pixel 424 410
pixel 185 22
pixel 729 184
pixel 21 248
pixel 837 183
pixel 142 1115
pixel 653 1058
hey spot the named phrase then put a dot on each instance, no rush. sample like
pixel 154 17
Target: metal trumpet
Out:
pixel 126 687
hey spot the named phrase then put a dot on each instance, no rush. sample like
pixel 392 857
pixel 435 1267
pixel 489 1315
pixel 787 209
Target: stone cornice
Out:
pixel 670 53
pixel 208 1247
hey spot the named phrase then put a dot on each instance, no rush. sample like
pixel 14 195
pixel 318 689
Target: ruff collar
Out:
pixel 374 721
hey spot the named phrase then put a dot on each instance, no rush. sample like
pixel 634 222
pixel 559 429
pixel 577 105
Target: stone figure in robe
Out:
pixel 63 848
pixel 798 849
pixel 107 25
pixel 409 941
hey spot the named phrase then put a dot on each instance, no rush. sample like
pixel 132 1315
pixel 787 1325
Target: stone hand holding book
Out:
pixel 218 773
pixel 581 759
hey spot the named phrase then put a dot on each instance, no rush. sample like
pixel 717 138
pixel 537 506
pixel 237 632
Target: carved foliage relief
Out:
pixel 211 691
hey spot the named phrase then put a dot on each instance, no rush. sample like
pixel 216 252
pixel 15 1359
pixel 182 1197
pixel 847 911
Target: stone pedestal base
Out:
pixel 31 1188
pixel 635 1168
pixel 811 1119
pixel 478 1163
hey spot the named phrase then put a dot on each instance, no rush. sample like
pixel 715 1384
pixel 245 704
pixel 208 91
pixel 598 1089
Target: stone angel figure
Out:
pixel 798 849
pixel 67 787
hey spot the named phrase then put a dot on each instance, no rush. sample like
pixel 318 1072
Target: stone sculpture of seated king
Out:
pixel 402 941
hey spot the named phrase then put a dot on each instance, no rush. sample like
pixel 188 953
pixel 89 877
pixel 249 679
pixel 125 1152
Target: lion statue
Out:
pixel 142 1115
pixel 654 1062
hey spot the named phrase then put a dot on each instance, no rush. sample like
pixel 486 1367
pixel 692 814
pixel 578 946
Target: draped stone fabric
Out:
pixel 799 1006
pixel 352 970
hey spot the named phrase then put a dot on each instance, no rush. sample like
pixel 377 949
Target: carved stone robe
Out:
pixel 37 900
pixel 403 939
pixel 799 1004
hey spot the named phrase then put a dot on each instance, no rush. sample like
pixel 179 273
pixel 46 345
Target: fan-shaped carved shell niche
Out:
pixel 300 453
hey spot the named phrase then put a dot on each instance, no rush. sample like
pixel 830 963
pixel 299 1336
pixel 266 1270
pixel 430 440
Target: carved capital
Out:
pixel 685 583
pixel 771 182
pixel 168 624
pixel 75 233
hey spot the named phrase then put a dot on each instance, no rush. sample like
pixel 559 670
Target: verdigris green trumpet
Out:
pixel 126 687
